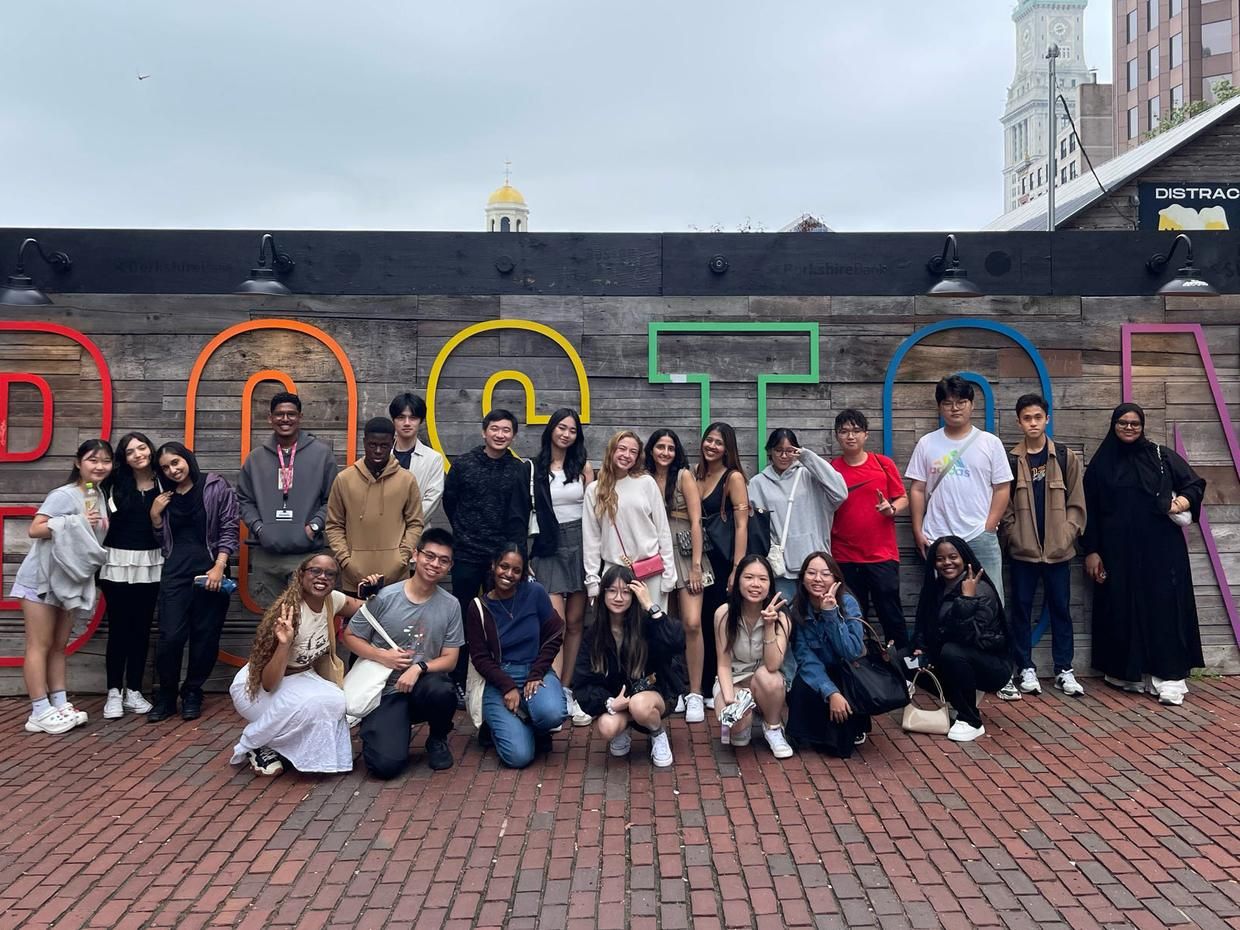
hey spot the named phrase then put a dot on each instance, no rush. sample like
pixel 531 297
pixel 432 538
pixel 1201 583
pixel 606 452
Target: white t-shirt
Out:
pixel 312 640
pixel 566 499
pixel 960 475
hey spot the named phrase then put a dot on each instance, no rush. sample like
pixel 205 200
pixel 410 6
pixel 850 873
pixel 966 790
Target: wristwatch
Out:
pixel 423 666
pixel 315 527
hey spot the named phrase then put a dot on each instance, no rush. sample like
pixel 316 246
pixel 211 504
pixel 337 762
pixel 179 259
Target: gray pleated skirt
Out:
pixel 563 572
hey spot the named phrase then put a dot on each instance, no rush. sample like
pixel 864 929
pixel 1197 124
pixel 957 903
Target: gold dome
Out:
pixel 506 194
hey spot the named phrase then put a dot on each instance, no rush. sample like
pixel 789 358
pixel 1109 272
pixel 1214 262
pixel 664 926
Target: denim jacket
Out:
pixel 828 637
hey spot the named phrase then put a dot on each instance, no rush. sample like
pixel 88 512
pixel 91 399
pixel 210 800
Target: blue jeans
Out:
pixel 787 587
pixel 1056 580
pixel 514 737
pixel 986 547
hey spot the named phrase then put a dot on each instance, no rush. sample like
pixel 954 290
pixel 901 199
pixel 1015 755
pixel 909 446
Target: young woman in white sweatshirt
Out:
pixel 624 520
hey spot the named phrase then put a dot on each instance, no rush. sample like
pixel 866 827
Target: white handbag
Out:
pixel 474 682
pixel 364 684
pixel 920 720
pixel 534 528
pixel 776 554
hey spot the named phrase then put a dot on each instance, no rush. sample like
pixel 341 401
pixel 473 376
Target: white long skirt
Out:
pixel 303 720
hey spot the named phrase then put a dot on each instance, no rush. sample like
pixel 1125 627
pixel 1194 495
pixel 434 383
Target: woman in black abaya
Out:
pixel 1145 616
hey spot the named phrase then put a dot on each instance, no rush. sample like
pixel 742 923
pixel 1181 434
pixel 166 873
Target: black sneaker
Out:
pixel 485 740
pixel 542 743
pixel 162 710
pixel 438 755
pixel 191 707
pixel 460 697
pixel 265 761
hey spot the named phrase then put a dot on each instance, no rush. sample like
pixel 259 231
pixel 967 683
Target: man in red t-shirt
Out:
pixel 863 536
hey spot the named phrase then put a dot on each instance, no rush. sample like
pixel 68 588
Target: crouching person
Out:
pixel 424 621
pixel 629 670
pixel 514 635
pixel 291 691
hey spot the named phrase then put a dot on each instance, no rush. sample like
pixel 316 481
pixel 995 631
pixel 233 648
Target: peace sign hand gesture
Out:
pixel 829 599
pixel 968 587
pixel 284 626
pixel 770 613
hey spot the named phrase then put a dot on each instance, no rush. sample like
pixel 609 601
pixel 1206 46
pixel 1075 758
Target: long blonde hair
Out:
pixel 265 637
pixel 606 500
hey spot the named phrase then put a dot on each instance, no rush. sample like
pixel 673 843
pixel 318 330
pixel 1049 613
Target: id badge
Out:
pixel 284 516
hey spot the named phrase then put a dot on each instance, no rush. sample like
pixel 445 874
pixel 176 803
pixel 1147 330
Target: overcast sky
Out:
pixel 880 115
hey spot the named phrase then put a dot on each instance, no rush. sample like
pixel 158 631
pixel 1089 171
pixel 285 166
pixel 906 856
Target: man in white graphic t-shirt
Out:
pixel 961 480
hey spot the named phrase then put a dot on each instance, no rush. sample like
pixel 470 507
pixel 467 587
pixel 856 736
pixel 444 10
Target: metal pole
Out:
pixel 1052 54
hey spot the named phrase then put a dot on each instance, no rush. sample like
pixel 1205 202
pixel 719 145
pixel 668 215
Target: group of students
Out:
pixel 768 614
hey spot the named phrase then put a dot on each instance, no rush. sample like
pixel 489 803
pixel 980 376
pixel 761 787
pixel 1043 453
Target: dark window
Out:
pixel 1215 38
pixel 1151 63
pixel 1177 50
pixel 1132 123
pixel 1152 112
pixel 1151 13
pixel 504 225
pixel 1132 74
pixel 1131 26
pixel 1072 170
pixel 1072 143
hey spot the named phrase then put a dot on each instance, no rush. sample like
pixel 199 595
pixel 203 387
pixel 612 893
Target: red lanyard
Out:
pixel 286 471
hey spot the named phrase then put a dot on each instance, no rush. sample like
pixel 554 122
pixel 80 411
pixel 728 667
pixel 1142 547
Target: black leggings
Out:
pixel 131 610
pixel 964 671
pixel 386 729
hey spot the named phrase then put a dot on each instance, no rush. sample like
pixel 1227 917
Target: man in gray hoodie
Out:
pixel 282 492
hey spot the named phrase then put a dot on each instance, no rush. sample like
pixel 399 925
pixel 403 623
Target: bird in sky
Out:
pixel 142 77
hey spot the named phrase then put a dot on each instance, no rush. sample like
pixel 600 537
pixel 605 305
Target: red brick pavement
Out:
pixel 1107 811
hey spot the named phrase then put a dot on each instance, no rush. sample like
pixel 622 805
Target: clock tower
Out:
pixel 1039 24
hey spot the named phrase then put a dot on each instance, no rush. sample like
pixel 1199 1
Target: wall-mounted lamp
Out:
pixel 718 264
pixel 1188 280
pixel 262 280
pixel 19 289
pixel 955 282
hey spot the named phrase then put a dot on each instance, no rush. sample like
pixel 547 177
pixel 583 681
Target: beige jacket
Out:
pixel 373 524
pixel 1065 509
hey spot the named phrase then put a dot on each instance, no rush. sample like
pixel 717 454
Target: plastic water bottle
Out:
pixel 227 585
pixel 91 494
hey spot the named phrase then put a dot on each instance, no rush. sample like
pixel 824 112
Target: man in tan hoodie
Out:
pixel 1044 517
pixel 374 512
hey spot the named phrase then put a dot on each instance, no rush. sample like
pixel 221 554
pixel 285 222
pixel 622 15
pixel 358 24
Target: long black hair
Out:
pixel 177 448
pixel 122 484
pixel 575 456
pixel 736 600
pixel 632 655
pixel 801 607
pixel 85 449
pixel 731 452
pixel 680 462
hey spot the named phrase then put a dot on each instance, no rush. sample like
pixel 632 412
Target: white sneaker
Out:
pixel 680 705
pixel 1029 681
pixel 742 736
pixel 1169 691
pixel 660 750
pixel 620 745
pixel 50 721
pixel 710 702
pixel 136 703
pixel 962 732
pixel 580 717
pixel 777 742
pixel 1132 687
pixel 695 709
pixel 1066 682
pixel 113 707
pixel 1009 692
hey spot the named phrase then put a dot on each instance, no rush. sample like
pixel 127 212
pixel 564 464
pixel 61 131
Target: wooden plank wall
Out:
pixel 151 342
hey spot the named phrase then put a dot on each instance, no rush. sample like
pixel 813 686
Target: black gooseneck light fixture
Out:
pixel 19 289
pixel 1187 281
pixel 262 280
pixel 954 281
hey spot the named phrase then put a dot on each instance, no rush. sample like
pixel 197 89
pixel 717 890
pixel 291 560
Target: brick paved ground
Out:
pixel 1106 811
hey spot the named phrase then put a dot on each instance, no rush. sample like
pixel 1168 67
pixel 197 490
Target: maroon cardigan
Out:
pixel 484 651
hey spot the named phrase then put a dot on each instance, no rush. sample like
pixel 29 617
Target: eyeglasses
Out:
pixel 849 432
pixel 782 452
pixel 618 593
pixel 955 403
pixel 1128 424
pixel 435 559
pixel 286 416
pixel 315 572
pixel 823 573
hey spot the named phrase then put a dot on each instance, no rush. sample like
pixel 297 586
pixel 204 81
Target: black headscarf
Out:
pixel 1130 463
pixel 934 588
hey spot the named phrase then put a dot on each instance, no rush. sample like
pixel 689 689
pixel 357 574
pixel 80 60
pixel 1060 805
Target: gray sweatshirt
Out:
pixel 259 497
pixel 819 493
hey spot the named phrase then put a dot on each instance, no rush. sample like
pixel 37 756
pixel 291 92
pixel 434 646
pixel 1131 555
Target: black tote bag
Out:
pixel 873 684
